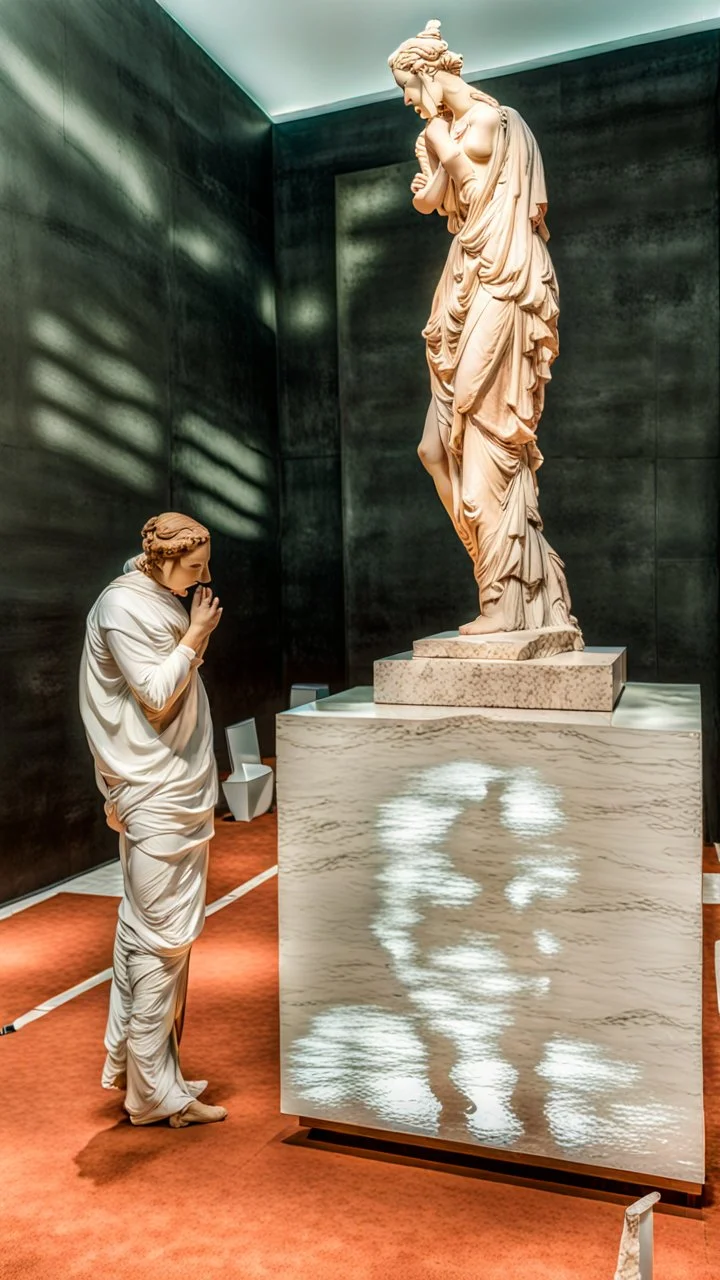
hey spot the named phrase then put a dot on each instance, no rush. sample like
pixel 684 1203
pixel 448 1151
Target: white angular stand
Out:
pixel 249 789
pixel 635 1261
pixel 301 694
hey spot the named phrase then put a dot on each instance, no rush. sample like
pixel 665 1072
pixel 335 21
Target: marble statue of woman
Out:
pixel 147 721
pixel 491 336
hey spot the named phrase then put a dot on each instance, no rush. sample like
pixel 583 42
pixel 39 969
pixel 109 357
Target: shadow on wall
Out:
pixel 138 356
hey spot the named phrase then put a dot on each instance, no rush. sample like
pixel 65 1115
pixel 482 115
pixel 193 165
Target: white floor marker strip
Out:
pixel 81 987
pixel 241 891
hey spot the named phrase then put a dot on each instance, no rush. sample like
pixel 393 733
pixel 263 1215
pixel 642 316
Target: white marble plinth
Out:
pixel 590 680
pixel 509 646
pixel 490 926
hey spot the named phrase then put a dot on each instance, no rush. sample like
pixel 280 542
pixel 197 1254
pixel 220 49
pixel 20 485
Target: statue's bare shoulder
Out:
pixel 479 138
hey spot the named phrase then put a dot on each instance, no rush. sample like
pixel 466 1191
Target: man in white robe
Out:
pixel 148 724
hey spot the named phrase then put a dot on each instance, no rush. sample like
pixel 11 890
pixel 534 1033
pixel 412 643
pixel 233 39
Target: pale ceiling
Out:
pixel 296 57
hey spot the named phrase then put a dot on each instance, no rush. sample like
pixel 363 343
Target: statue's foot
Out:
pixel 197 1113
pixel 482 626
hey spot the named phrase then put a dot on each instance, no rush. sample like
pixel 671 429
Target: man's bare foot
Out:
pixel 482 626
pixel 197 1113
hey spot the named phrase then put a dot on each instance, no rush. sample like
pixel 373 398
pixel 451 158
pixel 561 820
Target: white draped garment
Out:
pixel 147 721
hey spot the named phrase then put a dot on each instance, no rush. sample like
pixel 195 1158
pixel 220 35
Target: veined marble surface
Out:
pixel 490 926
pixel 589 680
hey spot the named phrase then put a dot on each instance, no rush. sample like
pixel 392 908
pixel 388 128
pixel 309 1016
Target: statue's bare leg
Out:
pixel 197 1113
pixel 431 453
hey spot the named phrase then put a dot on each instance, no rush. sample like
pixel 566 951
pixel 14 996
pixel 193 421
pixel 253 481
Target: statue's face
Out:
pixel 184 572
pixel 422 95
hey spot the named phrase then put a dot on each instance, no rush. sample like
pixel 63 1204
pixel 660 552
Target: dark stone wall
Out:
pixel 629 489
pixel 137 374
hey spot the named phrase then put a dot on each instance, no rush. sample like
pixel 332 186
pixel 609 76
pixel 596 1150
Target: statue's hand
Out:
pixel 418 182
pixel 112 819
pixel 204 610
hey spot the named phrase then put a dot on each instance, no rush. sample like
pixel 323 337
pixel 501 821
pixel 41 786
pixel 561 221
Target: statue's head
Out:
pixel 176 551
pixel 415 67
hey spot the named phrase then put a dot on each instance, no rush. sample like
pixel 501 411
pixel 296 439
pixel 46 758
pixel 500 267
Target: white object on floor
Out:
pixel 249 789
pixel 711 889
pixel 301 694
pixel 242 741
pixel 635 1261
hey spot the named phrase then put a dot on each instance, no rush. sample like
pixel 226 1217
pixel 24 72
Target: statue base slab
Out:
pixel 509 646
pixel 590 680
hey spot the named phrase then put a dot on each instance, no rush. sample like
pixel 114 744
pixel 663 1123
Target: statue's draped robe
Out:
pixel 147 720
pixel 491 338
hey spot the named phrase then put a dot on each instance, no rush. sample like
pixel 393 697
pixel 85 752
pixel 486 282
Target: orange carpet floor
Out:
pixel 85 1196
pixel 60 942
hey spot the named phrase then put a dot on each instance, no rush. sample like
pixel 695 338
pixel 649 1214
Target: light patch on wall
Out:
pixel 53 333
pixel 253 466
pixel 267 306
pixel 72 394
pixel 307 313
pixel 237 493
pixel 363 201
pixel 198 246
pixel 79 125
pixel 134 427
pixel 103 324
pixel 55 382
pixel 360 258
pixel 61 433
pixel 120 376
pixel 221 518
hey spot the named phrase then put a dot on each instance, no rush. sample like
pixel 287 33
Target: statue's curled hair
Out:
pixel 427 53
pixel 167 536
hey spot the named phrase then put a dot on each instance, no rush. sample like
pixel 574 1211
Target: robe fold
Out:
pixel 147 721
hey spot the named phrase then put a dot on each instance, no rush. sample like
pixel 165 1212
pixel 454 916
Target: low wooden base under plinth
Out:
pixel 432 1150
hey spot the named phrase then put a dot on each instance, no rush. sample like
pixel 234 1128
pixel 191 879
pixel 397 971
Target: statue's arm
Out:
pixel 428 198
pixel 157 684
pixel 451 156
